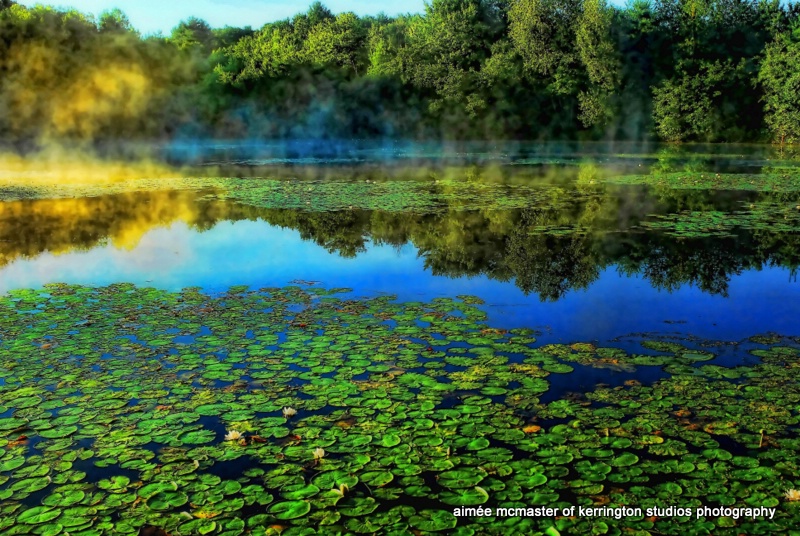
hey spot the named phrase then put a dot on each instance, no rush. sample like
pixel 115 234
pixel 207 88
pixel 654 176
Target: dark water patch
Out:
pixel 585 379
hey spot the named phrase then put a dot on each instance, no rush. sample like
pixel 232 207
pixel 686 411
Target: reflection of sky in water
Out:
pixel 257 254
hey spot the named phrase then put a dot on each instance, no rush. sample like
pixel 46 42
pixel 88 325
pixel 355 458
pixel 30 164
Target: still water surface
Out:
pixel 580 269
pixel 624 247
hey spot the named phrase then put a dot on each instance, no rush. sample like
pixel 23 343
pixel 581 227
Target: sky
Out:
pixel 151 16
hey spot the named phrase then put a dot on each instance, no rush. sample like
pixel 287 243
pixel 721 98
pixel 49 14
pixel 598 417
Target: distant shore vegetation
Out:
pixel 669 70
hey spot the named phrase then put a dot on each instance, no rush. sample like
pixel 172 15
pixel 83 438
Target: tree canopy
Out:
pixel 674 70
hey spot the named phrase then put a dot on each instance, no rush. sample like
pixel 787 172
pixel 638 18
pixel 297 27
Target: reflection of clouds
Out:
pixel 230 253
pixel 160 253
pixel 159 250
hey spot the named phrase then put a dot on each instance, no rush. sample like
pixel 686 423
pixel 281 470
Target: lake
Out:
pixel 336 338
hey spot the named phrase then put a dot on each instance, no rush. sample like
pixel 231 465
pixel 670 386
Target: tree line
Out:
pixel 671 70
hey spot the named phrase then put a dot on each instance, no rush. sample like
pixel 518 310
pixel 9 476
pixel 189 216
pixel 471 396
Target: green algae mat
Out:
pixel 302 411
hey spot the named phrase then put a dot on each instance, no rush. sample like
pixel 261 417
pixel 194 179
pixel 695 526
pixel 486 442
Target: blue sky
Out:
pixel 150 16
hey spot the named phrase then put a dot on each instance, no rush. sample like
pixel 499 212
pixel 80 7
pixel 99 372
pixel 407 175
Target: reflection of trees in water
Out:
pixel 518 245
pixel 547 250
pixel 342 233
pixel 706 263
pixel 550 265
pixel 30 227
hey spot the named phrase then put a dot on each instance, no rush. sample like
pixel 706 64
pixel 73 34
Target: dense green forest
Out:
pixel 674 70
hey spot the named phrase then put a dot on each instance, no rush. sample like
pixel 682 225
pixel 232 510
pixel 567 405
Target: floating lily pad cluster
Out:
pixel 783 180
pixel 392 196
pixel 296 411
pixel 328 194
pixel 769 216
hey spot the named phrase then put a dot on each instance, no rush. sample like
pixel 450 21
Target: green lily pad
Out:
pixel 167 500
pixel 625 459
pixel 59 432
pixel 464 497
pixel 433 520
pixel 290 509
pixel 461 478
pixel 38 515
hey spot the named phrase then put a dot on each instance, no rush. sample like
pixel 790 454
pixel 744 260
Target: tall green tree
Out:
pixel 447 48
pixel 339 41
pixel 386 42
pixel 114 21
pixel 193 33
pixel 543 33
pixel 273 51
pixel 599 53
pixel 780 77
pixel 686 107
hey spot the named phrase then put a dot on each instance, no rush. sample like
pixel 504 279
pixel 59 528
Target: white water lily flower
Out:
pixel 792 495
pixel 233 435
pixel 288 412
pixel 319 453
